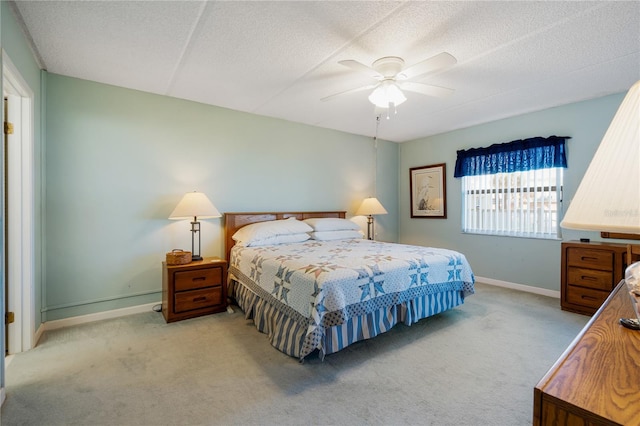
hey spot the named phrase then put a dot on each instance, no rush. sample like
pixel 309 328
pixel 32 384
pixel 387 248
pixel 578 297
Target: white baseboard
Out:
pixel 83 319
pixel 521 287
pixel 7 360
pixel 38 335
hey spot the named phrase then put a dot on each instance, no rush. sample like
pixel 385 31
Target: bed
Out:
pixel 324 294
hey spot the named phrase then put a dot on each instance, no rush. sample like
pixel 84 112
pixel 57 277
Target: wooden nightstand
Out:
pixel 589 272
pixel 195 289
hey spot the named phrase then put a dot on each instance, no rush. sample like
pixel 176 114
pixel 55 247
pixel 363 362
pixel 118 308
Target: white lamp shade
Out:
pixel 387 93
pixel 608 197
pixel 370 206
pixel 194 204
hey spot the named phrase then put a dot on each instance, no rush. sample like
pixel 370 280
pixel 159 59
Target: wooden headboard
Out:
pixel 235 221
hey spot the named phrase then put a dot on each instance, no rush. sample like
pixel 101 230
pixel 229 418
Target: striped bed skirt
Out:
pixel 290 332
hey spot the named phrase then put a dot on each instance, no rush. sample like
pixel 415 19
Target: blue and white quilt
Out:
pixel 346 285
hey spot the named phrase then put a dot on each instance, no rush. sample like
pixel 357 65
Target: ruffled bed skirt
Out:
pixel 290 332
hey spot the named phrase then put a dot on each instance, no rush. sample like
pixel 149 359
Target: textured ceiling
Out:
pixel 279 59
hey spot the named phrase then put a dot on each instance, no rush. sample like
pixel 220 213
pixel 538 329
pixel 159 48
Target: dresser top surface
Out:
pixel 600 371
pixel 595 244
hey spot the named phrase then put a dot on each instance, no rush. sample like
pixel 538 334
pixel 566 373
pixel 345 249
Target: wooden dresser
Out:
pixel 597 379
pixel 589 272
pixel 195 289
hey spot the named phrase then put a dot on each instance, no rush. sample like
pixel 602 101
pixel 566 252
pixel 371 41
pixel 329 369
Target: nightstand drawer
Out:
pixel 198 278
pixel 586 297
pixel 590 258
pixel 196 299
pixel 591 278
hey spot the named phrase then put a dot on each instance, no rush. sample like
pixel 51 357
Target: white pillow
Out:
pixel 278 239
pixel 336 235
pixel 332 224
pixel 271 228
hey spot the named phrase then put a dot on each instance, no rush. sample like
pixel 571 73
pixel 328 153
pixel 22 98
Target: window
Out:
pixel 513 189
pixel 521 204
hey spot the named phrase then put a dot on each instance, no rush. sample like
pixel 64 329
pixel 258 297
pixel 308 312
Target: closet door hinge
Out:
pixel 9 317
pixel 8 128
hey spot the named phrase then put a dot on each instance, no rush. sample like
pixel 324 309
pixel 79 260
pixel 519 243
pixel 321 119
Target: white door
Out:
pixel 19 209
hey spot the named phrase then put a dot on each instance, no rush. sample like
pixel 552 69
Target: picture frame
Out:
pixel 428 191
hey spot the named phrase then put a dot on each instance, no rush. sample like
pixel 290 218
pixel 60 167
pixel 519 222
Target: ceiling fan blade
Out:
pixel 434 63
pixel 346 92
pixel 360 67
pixel 426 89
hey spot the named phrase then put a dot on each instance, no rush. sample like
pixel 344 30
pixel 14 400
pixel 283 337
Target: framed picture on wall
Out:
pixel 428 191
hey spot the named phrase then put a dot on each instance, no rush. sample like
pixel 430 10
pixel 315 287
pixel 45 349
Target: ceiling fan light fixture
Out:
pixel 387 93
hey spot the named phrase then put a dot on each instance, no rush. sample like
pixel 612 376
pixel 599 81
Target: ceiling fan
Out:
pixel 392 79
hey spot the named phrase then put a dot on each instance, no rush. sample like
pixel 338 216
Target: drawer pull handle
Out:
pixel 588 278
pixel 200 299
pixel 588 258
pixel 199 279
pixel 588 297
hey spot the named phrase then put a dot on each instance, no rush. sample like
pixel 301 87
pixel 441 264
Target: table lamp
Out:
pixel 608 197
pixel 369 207
pixel 195 205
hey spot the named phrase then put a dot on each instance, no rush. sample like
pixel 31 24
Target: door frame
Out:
pixel 20 238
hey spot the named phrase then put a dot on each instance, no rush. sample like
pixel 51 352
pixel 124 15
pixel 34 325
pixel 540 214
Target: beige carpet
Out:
pixel 474 365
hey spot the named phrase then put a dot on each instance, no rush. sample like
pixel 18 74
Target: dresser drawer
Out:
pixel 590 258
pixel 196 299
pixel 591 278
pixel 198 278
pixel 586 296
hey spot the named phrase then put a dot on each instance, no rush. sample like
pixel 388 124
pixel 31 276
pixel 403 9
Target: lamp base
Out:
pixel 370 233
pixel 194 258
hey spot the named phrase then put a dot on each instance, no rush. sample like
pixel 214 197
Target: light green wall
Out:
pixel 119 160
pixel 516 260
pixel 386 226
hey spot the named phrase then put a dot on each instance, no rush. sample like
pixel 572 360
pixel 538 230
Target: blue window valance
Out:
pixel 516 156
